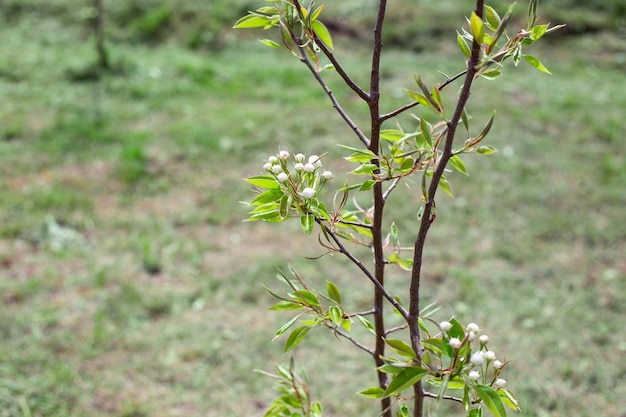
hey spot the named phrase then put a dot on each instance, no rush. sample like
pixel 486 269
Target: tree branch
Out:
pixel 428 217
pixel 350 339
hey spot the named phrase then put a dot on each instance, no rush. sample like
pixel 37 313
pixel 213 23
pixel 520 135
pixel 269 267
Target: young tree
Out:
pixel 447 354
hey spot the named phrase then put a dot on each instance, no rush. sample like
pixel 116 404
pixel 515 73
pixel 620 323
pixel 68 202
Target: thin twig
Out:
pixel 393 185
pixel 350 339
pixel 396 329
pixel 363 268
pixel 445 397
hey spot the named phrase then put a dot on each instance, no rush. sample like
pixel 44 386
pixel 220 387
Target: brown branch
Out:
pixel 428 215
pixel 350 339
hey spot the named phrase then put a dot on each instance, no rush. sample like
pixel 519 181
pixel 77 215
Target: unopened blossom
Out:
pixel 490 355
pixel 308 193
pixel 327 175
pixel 483 339
pixel 471 336
pixel 473 327
pixel 282 177
pixel 500 383
pixel 477 359
pixel 497 364
pixel 315 160
pixel 272 159
pixel 299 167
pixel 474 375
pixel 267 166
pixel 309 167
pixel 283 155
pixel 276 169
pixel 299 157
pixel 445 325
pixel 455 343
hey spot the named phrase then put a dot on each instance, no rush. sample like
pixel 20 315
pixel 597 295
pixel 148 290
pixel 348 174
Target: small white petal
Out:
pixel 500 383
pixel 474 375
pixel 497 364
pixel 484 339
pixel 299 157
pixel 283 154
pixel 473 327
pixel 267 166
pixel 490 355
pixel 477 359
pixel 327 175
pixel 272 159
pixel 315 160
pixel 282 177
pixel 276 169
pixel 299 167
pixel 309 167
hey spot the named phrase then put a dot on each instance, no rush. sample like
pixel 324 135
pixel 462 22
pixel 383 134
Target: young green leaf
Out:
pixel 286 326
pixel 458 164
pixel 420 98
pixel 460 40
pixel 336 315
pixel 401 348
pixel 477 27
pixel 263 181
pixel 322 33
pixel 252 21
pixel 295 337
pixel 373 392
pixel 491 399
pixel 366 323
pixel 270 43
pixel 403 380
pixel 492 17
pixel 333 292
pixel 537 64
pixel 307 222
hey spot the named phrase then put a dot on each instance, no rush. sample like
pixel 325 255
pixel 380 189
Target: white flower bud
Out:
pixel 282 177
pixel 500 383
pixel 299 167
pixel 309 167
pixel 497 364
pixel 473 327
pixel 471 336
pixel 474 375
pixel 299 157
pixel 315 160
pixel 267 166
pixel 483 339
pixel 455 343
pixel 308 193
pixel 445 325
pixel 276 169
pixel 283 154
pixel 272 159
pixel 327 175
pixel 477 359
pixel 490 355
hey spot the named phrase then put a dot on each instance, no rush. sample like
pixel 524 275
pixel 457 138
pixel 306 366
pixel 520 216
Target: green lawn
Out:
pixel 130 287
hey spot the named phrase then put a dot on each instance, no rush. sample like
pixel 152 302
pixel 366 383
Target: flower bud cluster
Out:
pixel 300 177
pixel 471 353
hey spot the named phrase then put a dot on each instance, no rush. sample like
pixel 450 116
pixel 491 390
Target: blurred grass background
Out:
pixel 130 287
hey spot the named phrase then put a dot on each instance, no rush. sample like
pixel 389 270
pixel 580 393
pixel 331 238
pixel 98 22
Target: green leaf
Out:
pixel 486 150
pixel 322 33
pixel 252 21
pixel 420 98
pixel 477 27
pixel 475 412
pixel 270 43
pixel 283 210
pixel 286 326
pixel 401 347
pixel 392 135
pixel 492 17
pixel 307 222
pixel 336 315
pixel 509 399
pixel 333 292
pixel 491 74
pixel 460 40
pixel 456 330
pixel 365 169
pixel 268 196
pixel 286 305
pixel 295 337
pixel 263 181
pixel 366 185
pixel 491 399
pixel 373 392
pixel 538 31
pixel 366 323
pixel 404 379
pixel 458 164
pixel 537 64
pixel 306 297
pixel 425 129
pixel 445 186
